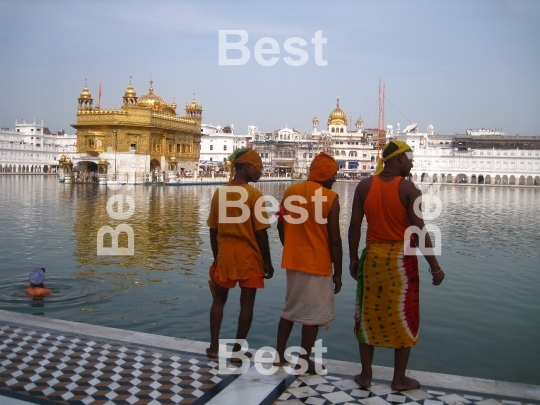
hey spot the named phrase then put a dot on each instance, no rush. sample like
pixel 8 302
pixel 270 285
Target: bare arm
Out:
pixel 264 247
pixel 214 243
pixel 281 232
pixel 336 249
pixel 355 229
pixel 412 194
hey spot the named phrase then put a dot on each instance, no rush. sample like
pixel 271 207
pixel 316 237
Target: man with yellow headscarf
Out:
pixel 239 245
pixel 387 302
pixel 309 231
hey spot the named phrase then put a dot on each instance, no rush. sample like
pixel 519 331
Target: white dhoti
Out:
pixel 309 299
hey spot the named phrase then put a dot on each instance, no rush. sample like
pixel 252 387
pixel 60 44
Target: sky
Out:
pixel 454 64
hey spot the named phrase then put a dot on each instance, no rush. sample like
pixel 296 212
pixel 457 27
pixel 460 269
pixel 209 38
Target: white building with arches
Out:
pixel 31 148
pixel 478 157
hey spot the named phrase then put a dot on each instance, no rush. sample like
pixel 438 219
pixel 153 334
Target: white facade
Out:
pixel 288 148
pixel 27 149
pixel 217 143
pixel 437 159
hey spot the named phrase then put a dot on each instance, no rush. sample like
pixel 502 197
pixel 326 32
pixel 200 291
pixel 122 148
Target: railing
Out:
pixel 173 179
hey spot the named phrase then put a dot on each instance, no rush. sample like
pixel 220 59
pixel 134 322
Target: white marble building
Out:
pixel 462 158
pixel 217 143
pixel 291 151
pixel 352 150
pixel 30 148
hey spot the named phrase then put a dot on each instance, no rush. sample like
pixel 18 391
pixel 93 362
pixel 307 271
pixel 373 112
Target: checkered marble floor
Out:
pixel 335 389
pixel 41 366
pixel 47 361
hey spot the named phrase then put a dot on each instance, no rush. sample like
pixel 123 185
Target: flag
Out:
pixel 99 96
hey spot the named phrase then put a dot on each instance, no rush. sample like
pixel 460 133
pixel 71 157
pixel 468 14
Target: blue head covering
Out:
pixel 36 277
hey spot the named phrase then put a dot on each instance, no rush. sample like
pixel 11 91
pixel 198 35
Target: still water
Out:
pixel 483 321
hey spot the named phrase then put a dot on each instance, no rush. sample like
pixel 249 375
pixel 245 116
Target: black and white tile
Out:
pixel 70 369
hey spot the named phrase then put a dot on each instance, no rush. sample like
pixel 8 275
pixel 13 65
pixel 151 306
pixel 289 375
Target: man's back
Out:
pixel 38 291
pixel 238 252
pixel 306 243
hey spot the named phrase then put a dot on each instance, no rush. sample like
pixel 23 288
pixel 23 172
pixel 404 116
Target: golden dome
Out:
pixel 193 105
pixel 359 120
pixel 130 92
pixel 151 100
pixel 85 94
pixel 338 116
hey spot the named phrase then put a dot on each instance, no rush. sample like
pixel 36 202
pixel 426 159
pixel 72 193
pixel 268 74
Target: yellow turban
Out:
pixel 250 157
pixel 402 147
pixel 322 167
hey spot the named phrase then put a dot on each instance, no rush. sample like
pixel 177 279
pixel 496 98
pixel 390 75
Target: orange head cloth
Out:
pixel 250 157
pixel 322 167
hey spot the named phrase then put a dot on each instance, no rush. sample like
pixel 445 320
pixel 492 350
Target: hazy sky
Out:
pixel 455 64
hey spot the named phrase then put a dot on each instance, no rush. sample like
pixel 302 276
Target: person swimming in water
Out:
pixel 36 288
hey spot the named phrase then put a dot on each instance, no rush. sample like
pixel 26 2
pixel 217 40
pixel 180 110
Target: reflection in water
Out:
pixel 165 224
pixel 488 302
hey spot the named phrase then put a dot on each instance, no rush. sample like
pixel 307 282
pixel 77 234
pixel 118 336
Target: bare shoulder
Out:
pixel 409 187
pixel 38 291
pixel 362 189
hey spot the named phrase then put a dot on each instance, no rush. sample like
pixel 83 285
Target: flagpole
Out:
pixel 99 96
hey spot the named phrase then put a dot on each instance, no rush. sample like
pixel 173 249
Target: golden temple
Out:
pixel 144 135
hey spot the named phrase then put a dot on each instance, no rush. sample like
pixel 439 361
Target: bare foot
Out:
pixel 311 367
pixel 404 384
pixel 280 360
pixel 211 353
pixel 363 382
pixel 236 360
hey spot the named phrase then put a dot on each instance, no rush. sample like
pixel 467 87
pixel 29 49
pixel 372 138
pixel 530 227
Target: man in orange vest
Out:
pixel 309 231
pixel 239 245
pixel 387 305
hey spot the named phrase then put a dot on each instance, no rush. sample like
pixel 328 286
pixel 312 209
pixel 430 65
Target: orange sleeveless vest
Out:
pixel 386 217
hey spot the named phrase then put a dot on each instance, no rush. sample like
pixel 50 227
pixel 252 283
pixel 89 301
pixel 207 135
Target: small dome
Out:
pixel 359 120
pixel 194 105
pixel 85 94
pixel 130 92
pixel 338 116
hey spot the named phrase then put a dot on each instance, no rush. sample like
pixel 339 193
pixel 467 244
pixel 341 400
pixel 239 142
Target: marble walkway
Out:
pixel 50 361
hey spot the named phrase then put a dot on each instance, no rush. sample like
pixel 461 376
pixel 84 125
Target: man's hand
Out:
pixel 269 270
pixel 337 284
pixel 353 268
pixel 437 276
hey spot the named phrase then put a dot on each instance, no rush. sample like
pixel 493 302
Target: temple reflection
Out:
pixel 165 223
